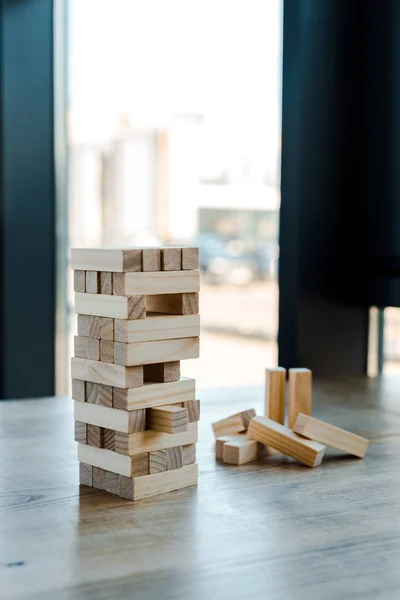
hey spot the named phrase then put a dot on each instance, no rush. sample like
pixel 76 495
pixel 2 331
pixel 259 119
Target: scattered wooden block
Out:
pixel 160 351
pixel 150 441
pixel 106 373
pixel 240 451
pixel 165 460
pixel 92 392
pixel 220 442
pixel 154 394
pixel 78 390
pixel 193 410
pixel 156 282
pixel 104 395
pixel 92 348
pixel 188 454
pixel 115 307
pixel 106 283
pixel 275 389
pixel 107 328
pixel 99 478
pixel 106 259
pixel 190 258
pixel 94 437
pixel 331 436
pixel 110 418
pixel 108 439
pixel 156 327
pixel 151 259
pixel 80 431
pixel 85 474
pixel 233 424
pixel 106 351
pixel 162 372
pixel 79 281
pixel 89 326
pixel 271 433
pixel 169 419
pixel 300 393
pixel 171 259
pixel 92 282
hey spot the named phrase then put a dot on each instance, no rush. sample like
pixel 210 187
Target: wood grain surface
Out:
pixel 270 529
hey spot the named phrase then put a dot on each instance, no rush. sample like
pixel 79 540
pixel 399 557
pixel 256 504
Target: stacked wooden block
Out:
pixel 245 437
pixel 135 416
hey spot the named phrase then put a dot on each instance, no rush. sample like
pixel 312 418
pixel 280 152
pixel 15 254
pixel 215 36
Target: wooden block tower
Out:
pixel 135 416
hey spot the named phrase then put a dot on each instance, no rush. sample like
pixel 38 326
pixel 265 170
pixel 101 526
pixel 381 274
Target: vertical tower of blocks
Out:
pixel 135 416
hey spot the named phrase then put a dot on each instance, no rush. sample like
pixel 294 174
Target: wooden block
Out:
pixel 171 259
pixel 107 259
pixel 105 395
pixel 156 327
pixel 80 347
pixel 105 459
pixel 188 454
pixel 108 439
pixel 193 410
pixel 118 284
pixel 112 482
pixel 233 424
pixel 140 464
pixel 173 304
pixel 126 488
pixel 92 348
pixel 99 478
pixel 331 436
pixel 165 460
pixel 89 326
pixel 170 419
pixel 78 390
pixel 85 474
pixel 80 281
pixel 107 328
pixel 115 307
pixel 150 441
pixel 275 389
pixel 300 392
pixel 273 434
pixel 240 451
pixel 110 418
pixel 163 372
pixel 154 394
pixel 190 258
pixel 92 282
pixel 160 483
pixel 220 442
pixel 190 304
pixel 151 259
pixel 106 373
pixel 159 282
pixel 106 351
pixel 106 283
pixel 92 392
pixel 160 351
pixel 80 431
pixel 94 437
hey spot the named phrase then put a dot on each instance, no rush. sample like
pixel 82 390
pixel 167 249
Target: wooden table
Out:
pixel 273 530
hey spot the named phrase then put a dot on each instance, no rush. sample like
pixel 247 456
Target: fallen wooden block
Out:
pixel 150 441
pixel 233 424
pixel 283 439
pixel 331 436
pixel 240 450
pixel 169 419
pixel 154 394
pixel 156 282
pixel 106 259
pixel 220 442
pixel 275 389
pixel 115 307
pixel 300 394
pixel 106 373
pixel 156 327
pixel 159 351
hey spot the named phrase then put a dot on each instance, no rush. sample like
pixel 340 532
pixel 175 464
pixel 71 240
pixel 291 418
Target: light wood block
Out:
pixel 104 395
pixel 156 327
pixel 193 410
pixel 115 307
pixel 165 460
pixel 154 394
pixel 118 284
pixel 169 419
pixel 107 328
pixel 107 259
pixel 89 326
pixel 168 481
pixel 283 439
pixel 80 347
pixel 233 424
pixel 94 433
pixel 190 258
pixel 80 430
pixel 275 390
pixel 108 439
pixel 160 351
pixel 150 441
pixel 163 372
pixel 80 281
pixel 140 464
pixel 157 282
pixel 151 259
pixel 85 474
pixel 112 482
pixel 220 442
pixel 105 459
pixel 188 454
pixel 171 259
pixel 78 390
pixel 110 418
pixel 316 430
pixel 106 351
pixel 92 348
pixel 99 478
pixel 92 392
pixel 173 304
pixel 240 451
pixel 106 373
pixel 106 283
pixel 92 282
pixel 300 394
